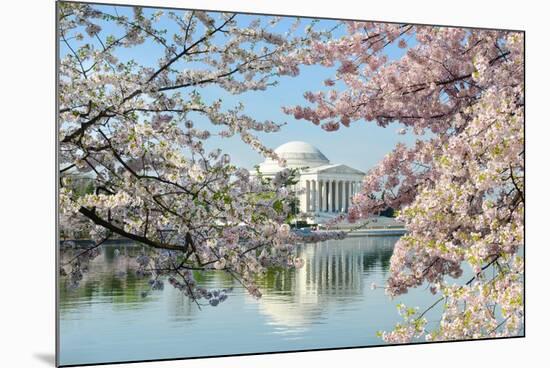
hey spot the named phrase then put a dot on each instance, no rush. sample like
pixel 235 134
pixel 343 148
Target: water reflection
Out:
pixel 109 280
pixel 326 303
pixel 333 274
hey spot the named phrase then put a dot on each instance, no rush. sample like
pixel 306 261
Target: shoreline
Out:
pixel 349 233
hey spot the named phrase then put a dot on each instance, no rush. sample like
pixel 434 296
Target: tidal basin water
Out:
pixel 328 303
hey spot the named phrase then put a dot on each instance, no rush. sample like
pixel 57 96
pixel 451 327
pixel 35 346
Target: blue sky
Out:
pixel 361 145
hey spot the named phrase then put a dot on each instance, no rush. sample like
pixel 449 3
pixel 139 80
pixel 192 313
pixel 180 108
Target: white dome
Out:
pixel 297 155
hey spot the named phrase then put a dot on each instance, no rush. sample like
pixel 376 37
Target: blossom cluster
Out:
pixel 130 131
pixel 459 188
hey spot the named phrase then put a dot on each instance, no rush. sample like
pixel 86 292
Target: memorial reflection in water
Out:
pixel 326 303
pixel 330 275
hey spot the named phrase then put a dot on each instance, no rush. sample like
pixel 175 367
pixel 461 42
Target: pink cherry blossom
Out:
pixel 127 133
pixel 460 188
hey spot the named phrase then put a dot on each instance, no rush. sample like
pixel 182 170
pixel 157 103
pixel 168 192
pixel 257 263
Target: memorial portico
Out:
pixel 324 187
pixel 328 190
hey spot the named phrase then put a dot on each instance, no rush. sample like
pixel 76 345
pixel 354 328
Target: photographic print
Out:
pixel 234 183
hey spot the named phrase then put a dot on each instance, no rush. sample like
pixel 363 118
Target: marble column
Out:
pixel 342 196
pixel 338 192
pixel 325 198
pixel 308 193
pixel 327 193
pixel 335 204
pixel 329 196
pixel 313 196
pixel 334 194
pixel 319 195
pixel 347 196
pixel 323 195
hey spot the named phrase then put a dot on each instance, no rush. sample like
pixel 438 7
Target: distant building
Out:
pixel 327 187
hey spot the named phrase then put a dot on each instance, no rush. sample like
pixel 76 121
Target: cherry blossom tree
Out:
pixel 129 128
pixel 460 188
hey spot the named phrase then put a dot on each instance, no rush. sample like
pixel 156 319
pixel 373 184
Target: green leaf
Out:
pixel 278 206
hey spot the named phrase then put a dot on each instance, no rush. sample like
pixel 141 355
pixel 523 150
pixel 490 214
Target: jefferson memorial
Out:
pixel 325 188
